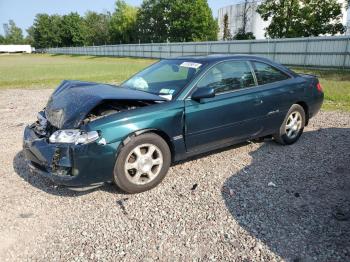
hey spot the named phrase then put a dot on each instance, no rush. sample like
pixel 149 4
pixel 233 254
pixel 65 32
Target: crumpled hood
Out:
pixel 72 101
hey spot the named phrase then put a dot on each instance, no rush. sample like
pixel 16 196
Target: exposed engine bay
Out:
pixel 110 107
pixel 44 128
pixel 74 103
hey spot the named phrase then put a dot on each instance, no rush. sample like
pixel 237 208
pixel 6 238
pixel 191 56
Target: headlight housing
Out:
pixel 74 136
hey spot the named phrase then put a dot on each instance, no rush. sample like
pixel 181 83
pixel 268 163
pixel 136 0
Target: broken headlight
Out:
pixel 74 136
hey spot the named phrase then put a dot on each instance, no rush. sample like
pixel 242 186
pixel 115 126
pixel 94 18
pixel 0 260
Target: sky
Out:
pixel 24 11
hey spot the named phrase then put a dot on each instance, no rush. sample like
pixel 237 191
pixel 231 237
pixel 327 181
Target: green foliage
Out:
pixel 176 20
pixel 191 21
pixel 227 33
pixel 92 29
pixel 97 28
pixel 13 34
pixel 56 31
pixel 304 18
pixel 153 21
pixel 46 31
pixel 72 31
pixel 157 21
pixel 241 35
pixel 321 17
pixel 30 36
pixel 123 23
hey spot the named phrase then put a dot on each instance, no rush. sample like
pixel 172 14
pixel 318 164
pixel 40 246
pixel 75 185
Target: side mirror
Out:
pixel 204 92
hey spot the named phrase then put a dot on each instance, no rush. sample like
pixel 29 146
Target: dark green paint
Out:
pixel 189 126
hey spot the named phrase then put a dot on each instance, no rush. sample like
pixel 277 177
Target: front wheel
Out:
pixel 142 163
pixel 292 126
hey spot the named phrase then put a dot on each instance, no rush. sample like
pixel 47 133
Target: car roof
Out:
pixel 212 59
pixel 219 57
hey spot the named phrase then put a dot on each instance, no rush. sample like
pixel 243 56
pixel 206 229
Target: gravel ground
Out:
pixel 252 202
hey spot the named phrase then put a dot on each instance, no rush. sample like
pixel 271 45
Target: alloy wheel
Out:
pixel 143 164
pixel 293 125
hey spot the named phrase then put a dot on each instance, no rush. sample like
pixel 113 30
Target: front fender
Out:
pixel 165 118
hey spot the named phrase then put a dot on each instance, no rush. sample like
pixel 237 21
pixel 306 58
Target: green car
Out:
pixel 130 134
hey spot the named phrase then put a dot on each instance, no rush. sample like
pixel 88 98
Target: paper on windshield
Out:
pixel 166 91
pixel 167 97
pixel 191 65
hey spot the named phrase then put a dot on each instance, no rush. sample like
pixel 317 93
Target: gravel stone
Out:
pixel 217 207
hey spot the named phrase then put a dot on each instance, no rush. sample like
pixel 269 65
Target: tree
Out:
pixel 191 20
pixel 321 17
pixel 2 39
pixel 46 31
pixel 153 21
pixel 304 18
pixel 72 31
pixel 240 35
pixel 227 33
pixel 176 20
pixel 123 23
pixel 245 17
pixel 30 36
pixel 97 28
pixel 13 34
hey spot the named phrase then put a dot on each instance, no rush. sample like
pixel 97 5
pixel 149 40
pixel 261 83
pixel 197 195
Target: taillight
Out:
pixel 319 87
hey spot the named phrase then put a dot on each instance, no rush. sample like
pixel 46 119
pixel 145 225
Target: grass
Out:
pixel 47 71
pixel 336 87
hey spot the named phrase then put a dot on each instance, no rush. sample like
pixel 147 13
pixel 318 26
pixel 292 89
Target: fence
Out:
pixel 331 52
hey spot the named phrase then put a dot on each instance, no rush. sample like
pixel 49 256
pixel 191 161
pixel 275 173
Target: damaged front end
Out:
pixel 41 155
pixel 59 144
pixel 68 157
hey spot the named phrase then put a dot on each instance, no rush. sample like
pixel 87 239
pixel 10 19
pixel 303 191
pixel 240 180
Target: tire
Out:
pixel 142 163
pixel 290 133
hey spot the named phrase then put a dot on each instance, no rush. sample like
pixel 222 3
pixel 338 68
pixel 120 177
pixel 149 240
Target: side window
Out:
pixel 266 74
pixel 228 76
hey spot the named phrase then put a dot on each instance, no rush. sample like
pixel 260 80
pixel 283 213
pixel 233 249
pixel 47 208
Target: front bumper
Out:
pixel 69 165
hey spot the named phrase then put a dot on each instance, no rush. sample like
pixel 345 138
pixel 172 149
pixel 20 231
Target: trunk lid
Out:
pixel 72 101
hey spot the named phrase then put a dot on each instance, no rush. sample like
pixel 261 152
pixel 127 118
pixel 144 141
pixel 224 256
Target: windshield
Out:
pixel 165 78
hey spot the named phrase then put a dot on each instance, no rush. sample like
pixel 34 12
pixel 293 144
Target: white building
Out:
pixel 15 49
pixel 255 23
pixel 348 23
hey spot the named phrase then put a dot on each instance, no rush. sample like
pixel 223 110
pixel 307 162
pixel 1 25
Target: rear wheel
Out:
pixel 142 163
pixel 292 126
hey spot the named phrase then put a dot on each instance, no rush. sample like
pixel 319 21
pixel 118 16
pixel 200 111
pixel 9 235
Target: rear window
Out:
pixel 267 74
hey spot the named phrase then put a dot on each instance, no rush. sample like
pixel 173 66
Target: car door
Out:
pixel 277 90
pixel 230 115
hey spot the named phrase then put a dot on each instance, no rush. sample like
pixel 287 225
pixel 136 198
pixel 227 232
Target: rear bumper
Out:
pixel 316 104
pixel 69 165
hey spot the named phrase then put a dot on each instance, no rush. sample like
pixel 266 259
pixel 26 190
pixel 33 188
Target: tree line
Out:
pixel 153 21
pixel 175 21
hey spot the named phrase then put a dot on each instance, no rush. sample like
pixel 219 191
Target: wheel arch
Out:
pixel 158 132
pixel 306 109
